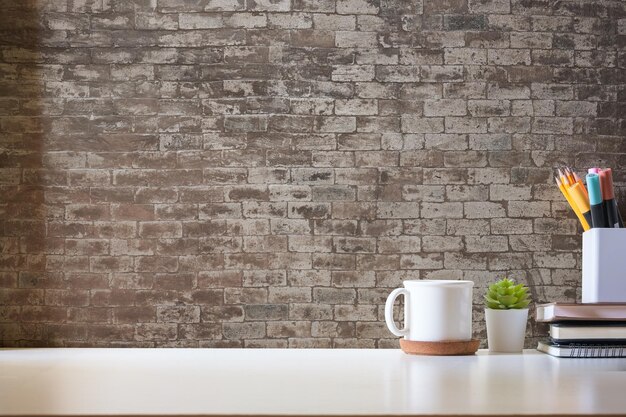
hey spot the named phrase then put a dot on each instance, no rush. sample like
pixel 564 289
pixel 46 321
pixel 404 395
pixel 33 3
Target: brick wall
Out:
pixel 261 173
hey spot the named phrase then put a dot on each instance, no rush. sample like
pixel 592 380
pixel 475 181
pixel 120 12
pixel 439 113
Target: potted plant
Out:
pixel 506 314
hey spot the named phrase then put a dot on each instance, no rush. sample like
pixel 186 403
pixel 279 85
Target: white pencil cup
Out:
pixel 604 266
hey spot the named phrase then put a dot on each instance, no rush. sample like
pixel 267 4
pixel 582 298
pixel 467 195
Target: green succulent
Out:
pixel 505 295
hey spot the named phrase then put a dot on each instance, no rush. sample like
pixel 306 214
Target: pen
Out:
pixel 595 201
pixel 581 201
pixel 593 171
pixel 608 196
pixel 586 224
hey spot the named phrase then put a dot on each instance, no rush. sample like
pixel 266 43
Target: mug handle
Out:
pixel 389 312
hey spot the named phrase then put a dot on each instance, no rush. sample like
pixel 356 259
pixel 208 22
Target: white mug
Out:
pixel 434 310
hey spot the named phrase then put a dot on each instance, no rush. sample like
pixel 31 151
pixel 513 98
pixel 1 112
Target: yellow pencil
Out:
pixel 570 176
pixel 579 197
pixel 573 205
pixel 564 178
pixel 582 186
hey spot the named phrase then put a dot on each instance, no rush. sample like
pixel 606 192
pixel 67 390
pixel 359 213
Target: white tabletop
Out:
pixel 303 382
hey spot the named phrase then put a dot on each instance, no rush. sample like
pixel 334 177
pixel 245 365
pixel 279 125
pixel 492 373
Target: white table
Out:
pixel 303 382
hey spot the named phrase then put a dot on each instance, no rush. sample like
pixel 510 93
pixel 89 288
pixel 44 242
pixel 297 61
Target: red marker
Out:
pixel 608 195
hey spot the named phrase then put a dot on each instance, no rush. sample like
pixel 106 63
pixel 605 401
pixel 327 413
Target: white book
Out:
pixel 582 312
pixel 589 332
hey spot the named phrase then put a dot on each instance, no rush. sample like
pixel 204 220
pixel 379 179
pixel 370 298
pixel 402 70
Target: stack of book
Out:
pixel 584 330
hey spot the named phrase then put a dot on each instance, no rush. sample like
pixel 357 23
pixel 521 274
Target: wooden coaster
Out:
pixel 444 348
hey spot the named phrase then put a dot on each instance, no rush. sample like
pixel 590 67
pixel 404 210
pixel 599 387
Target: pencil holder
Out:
pixel 604 266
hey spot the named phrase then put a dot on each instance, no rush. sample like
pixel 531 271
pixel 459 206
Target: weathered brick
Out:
pixel 508 57
pixel 391 210
pixel 353 73
pixel 350 39
pixel 412 124
pixel 489 6
pixel 399 244
pixel 310 243
pixel 336 124
pixel 434 193
pixel 553 125
pixel 441 73
pixel 486 243
pixel 178 314
pixel 200 331
pixel 289 295
pixel 334 295
pixel 441 244
pixel 260 173
pixel 541 40
pixel 508 91
pixel 222 313
pixel 465 261
pixel 467 226
pixel 266 312
pixel 509 22
pixel 465 159
pixel 357 7
pixel 354 245
pixel 355 313
pixel 468 56
pixel 445 107
pixel 238 331
pixel 332 329
pixel 488 176
pixel 293 329
pixel 310 311
pixel 468 90
pixel 333 261
pixel 422 261
pixel 264 243
pixel 446 6
pixel 397 73
pixel 356 107
pixel 487 39
pixel 465 125
pixel 529 209
pixel 169 6
pixel 529 243
pixel 442 210
pixel 245 295
pixel 504 261
pixel 509 192
pixel 483 210
pixel 155 331
pixel 511 226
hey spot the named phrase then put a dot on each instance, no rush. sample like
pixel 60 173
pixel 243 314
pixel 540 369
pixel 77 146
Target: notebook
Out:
pixel 588 331
pixel 583 350
pixel 589 312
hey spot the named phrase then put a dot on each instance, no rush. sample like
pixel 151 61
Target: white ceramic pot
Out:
pixel 506 329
